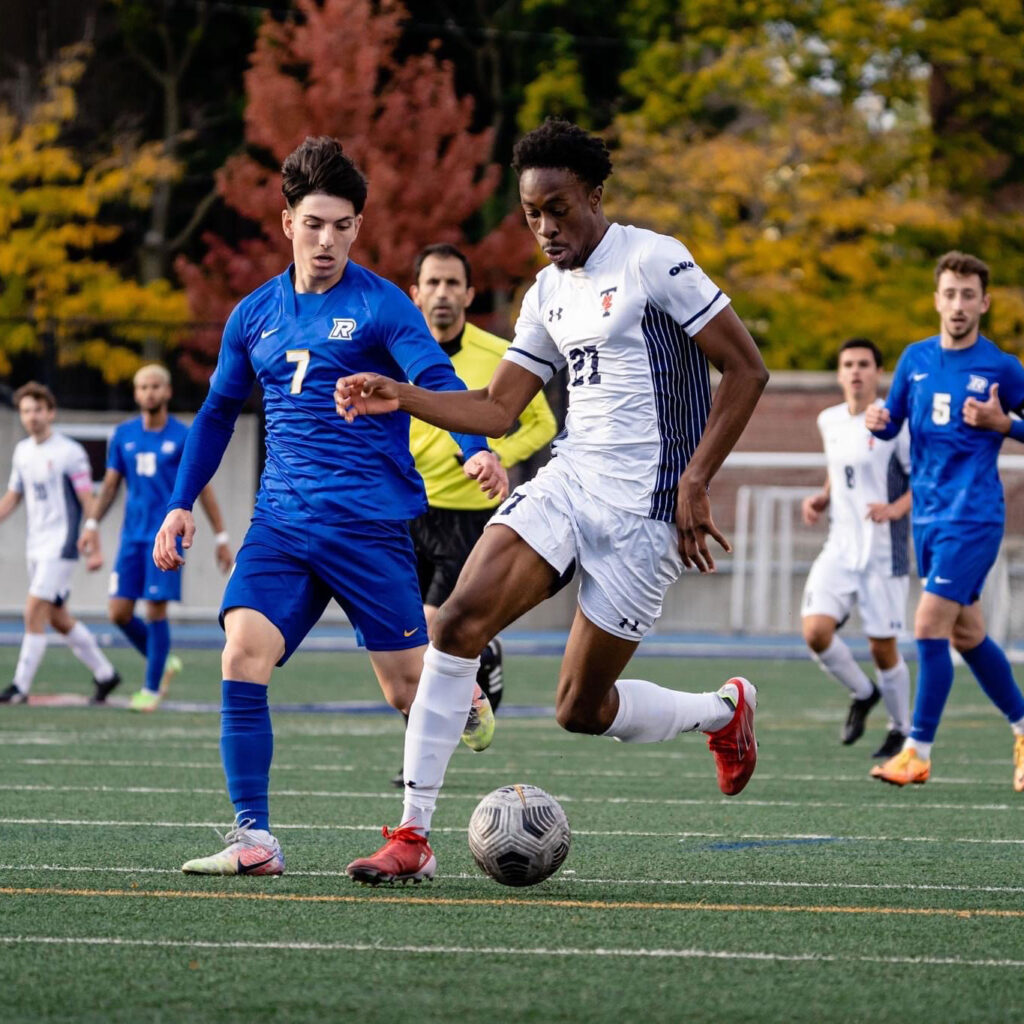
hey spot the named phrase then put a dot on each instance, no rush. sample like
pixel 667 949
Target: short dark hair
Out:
pixel 40 392
pixel 862 343
pixel 319 165
pixel 962 264
pixel 563 145
pixel 443 249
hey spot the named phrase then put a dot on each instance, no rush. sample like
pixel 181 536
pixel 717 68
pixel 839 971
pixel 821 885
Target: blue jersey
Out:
pixel 954 475
pixel 317 465
pixel 148 461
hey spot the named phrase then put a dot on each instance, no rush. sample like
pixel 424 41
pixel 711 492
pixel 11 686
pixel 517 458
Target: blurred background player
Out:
pixel 866 558
pixel 635 321
pixel 955 389
pixel 145 452
pixel 458 510
pixel 52 473
pixel 332 512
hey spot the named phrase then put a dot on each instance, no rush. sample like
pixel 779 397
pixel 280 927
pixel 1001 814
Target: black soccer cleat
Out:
pixel 490 677
pixel 857 716
pixel 891 745
pixel 104 689
pixel 12 695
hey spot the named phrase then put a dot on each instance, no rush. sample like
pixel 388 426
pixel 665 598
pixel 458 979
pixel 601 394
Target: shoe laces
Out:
pixel 405 833
pixel 238 833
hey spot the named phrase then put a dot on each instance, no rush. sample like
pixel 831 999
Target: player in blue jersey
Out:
pixel 334 503
pixel 145 452
pixel 956 390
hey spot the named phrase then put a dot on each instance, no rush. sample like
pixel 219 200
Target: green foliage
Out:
pixel 57 213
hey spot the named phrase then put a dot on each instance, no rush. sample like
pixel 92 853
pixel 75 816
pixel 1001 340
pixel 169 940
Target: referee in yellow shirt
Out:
pixel 445 534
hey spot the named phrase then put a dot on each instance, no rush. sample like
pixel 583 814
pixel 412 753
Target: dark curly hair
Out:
pixel 560 144
pixel 319 165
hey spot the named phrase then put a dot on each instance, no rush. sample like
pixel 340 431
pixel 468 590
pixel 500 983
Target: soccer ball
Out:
pixel 519 835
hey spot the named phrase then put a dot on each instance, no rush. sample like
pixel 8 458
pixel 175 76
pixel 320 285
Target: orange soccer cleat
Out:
pixel 904 768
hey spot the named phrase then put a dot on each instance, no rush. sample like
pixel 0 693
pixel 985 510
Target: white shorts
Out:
pixel 50 578
pixel 832 590
pixel 626 561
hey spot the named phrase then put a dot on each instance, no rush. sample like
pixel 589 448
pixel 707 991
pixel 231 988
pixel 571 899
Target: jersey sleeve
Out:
pixel 115 454
pixel 406 336
pixel 896 402
pixel 1011 386
pixel 77 468
pixel 15 483
pixel 674 282
pixel 532 347
pixel 234 375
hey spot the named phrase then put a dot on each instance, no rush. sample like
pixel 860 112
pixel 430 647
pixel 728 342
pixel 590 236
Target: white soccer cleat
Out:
pixel 248 852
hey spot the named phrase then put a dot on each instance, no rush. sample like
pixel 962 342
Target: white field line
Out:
pixel 477 951
pixel 332 794
pixel 731 837
pixel 571 878
pixel 763 776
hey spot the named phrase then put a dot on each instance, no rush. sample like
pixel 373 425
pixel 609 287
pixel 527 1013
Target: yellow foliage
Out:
pixel 52 202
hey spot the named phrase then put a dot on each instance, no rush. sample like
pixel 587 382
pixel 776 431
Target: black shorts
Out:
pixel 443 539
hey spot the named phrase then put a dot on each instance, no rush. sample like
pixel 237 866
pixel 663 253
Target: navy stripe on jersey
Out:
pixel 896 483
pixel 682 394
pixel 74 510
pixel 536 359
pixel 697 316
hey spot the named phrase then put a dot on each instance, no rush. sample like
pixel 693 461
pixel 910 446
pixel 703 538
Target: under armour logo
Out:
pixel 342 329
pixel 606 301
pixel 626 624
pixel 554 314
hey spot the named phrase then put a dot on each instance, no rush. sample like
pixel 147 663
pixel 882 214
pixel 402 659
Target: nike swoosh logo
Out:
pixel 409 632
pixel 244 869
pixel 942 579
pixel 267 334
pixel 918 376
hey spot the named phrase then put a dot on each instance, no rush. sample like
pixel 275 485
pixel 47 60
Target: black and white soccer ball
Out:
pixel 519 835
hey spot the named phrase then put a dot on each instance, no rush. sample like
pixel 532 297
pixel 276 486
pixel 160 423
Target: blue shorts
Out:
pixel 136 576
pixel 954 558
pixel 289 573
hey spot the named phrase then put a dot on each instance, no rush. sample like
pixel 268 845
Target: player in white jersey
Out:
pixel 635 322
pixel 866 558
pixel 51 473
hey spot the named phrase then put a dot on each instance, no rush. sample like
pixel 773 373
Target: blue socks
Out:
pixel 247 748
pixel 158 646
pixel 934 681
pixel 992 670
pixel 137 633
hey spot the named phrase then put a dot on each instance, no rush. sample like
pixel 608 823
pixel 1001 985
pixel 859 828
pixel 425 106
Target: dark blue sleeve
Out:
pixel 442 377
pixel 204 447
pixel 896 403
pixel 1012 396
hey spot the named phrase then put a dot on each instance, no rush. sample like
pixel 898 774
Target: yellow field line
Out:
pixel 447 901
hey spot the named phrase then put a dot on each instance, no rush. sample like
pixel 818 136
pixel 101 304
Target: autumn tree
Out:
pixel 58 219
pixel 333 70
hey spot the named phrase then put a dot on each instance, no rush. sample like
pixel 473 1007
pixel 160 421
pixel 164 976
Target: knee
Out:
pixel 246 662
pixel 818 638
pixel 577 715
pixel 458 630
pixel 119 616
pixel 966 638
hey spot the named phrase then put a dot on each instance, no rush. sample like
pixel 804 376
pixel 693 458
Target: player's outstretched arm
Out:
pixel 731 350
pixel 177 523
pixel 490 411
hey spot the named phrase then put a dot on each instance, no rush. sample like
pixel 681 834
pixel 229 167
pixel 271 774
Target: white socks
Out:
pixel 649 713
pixel 84 647
pixel 894 684
pixel 33 647
pixel 436 720
pixel 839 662
pixel 922 749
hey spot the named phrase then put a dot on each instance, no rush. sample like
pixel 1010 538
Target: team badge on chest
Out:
pixel 342 329
pixel 977 384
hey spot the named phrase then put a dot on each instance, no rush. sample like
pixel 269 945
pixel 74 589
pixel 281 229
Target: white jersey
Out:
pixel 48 476
pixel 864 470
pixel 639 390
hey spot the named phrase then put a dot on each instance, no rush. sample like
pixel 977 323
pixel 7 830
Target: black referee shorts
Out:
pixel 443 539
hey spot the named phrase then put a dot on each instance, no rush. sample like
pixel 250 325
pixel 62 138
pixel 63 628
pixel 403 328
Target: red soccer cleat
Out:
pixel 405 857
pixel 733 745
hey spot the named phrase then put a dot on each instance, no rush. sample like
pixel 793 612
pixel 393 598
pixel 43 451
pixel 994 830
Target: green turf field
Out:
pixel 816 895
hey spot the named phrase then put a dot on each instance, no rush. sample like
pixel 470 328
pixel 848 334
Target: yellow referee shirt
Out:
pixel 435 452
